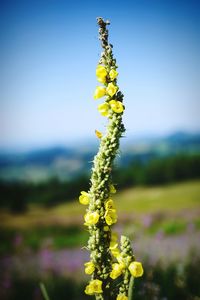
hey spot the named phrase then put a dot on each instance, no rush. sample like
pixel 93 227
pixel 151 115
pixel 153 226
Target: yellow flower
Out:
pixel 101 73
pixel 122 297
pixel 111 89
pixel 116 106
pixel 114 236
pixel 113 74
pixel 89 267
pixel 109 204
pixel 112 189
pixel 117 270
pixel 113 245
pixel 103 109
pixel 111 216
pixel 99 92
pixel 84 198
pixel 136 269
pixel 94 287
pixel 115 252
pixel 98 134
pixel 91 218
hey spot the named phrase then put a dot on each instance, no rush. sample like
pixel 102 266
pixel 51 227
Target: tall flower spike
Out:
pixel 106 262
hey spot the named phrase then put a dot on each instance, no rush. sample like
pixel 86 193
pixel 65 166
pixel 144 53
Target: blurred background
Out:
pixel 48 56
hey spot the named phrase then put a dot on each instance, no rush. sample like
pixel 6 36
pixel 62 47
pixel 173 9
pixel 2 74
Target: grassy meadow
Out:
pixel 170 199
pixel 162 221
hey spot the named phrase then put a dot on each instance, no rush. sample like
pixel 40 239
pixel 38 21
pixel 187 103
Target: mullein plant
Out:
pixel 112 265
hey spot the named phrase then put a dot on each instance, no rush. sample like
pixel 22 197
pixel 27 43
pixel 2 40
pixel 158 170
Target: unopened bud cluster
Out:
pixel 107 261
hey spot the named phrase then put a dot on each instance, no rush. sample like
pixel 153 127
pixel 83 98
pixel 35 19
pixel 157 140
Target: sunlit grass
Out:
pixel 136 200
pixel 163 198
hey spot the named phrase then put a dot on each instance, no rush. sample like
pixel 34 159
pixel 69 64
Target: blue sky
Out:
pixel 49 52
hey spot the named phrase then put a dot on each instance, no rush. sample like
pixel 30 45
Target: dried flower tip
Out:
pixel 98 134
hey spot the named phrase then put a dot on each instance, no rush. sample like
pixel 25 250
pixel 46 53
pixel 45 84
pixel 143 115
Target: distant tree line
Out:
pixel 16 195
pixel 158 171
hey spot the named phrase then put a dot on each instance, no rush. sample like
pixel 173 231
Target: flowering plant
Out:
pixel 112 266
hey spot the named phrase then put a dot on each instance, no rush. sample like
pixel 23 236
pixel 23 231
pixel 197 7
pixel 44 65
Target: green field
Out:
pixel 170 199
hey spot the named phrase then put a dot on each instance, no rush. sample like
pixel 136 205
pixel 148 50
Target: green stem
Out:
pixel 131 287
pixel 44 291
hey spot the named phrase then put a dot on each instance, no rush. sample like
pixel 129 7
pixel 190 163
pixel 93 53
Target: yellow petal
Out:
pixel 94 287
pixel 113 245
pixel 89 267
pixel 101 73
pixel 113 74
pixel 104 109
pixel 99 92
pixel 115 252
pixel 116 106
pixel 91 218
pixel 122 297
pixel 114 236
pixel 88 290
pixel 101 79
pixel 84 198
pixel 109 204
pixel 120 260
pixel 111 216
pixel 111 89
pixel 116 271
pixel 136 269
